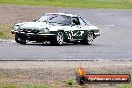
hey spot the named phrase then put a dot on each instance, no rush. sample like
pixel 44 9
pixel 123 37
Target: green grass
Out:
pixel 124 86
pixel 54 85
pixel 5 31
pixel 116 4
pixel 9 86
pixel 26 86
pixel 71 82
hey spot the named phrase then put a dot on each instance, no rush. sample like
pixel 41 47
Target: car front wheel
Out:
pixel 88 38
pixel 19 40
pixel 59 39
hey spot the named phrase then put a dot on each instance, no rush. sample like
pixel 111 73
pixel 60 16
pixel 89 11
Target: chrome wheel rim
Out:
pixel 60 38
pixel 90 38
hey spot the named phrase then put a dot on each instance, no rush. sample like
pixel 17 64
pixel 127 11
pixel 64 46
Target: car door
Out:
pixel 78 28
pixel 83 27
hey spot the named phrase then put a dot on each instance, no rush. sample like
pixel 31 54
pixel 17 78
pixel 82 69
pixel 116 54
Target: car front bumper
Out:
pixel 96 34
pixel 36 37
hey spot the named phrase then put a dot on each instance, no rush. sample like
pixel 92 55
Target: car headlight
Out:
pixel 16 27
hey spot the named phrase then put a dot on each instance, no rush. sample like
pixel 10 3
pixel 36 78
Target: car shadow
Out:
pixel 68 44
pixel 46 44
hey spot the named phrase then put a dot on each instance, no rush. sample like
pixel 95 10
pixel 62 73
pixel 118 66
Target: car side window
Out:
pixel 75 21
pixel 82 22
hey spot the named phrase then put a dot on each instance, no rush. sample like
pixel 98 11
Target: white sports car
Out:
pixel 56 28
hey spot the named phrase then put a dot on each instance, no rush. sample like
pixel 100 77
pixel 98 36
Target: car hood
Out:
pixel 51 27
pixel 34 25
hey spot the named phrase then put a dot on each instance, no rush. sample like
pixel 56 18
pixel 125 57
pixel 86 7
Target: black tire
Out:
pixel 88 38
pixel 23 42
pixel 17 39
pixel 59 39
pixel 20 40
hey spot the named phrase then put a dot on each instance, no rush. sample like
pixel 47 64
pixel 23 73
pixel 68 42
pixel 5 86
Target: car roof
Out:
pixel 71 15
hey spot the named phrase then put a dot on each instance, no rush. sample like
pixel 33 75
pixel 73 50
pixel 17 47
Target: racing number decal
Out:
pixel 72 34
pixel 81 33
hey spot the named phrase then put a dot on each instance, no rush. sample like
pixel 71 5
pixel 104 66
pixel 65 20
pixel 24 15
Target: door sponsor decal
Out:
pixel 75 33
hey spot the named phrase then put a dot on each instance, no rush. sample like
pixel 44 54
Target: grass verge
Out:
pixel 26 86
pixel 124 86
pixel 51 86
pixel 115 4
pixel 57 84
pixel 5 31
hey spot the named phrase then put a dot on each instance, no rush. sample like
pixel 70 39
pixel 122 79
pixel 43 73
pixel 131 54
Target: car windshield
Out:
pixel 55 18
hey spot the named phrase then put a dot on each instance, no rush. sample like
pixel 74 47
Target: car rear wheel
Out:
pixel 88 38
pixel 59 39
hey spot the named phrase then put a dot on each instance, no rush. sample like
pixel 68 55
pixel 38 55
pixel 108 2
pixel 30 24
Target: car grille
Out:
pixel 29 30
